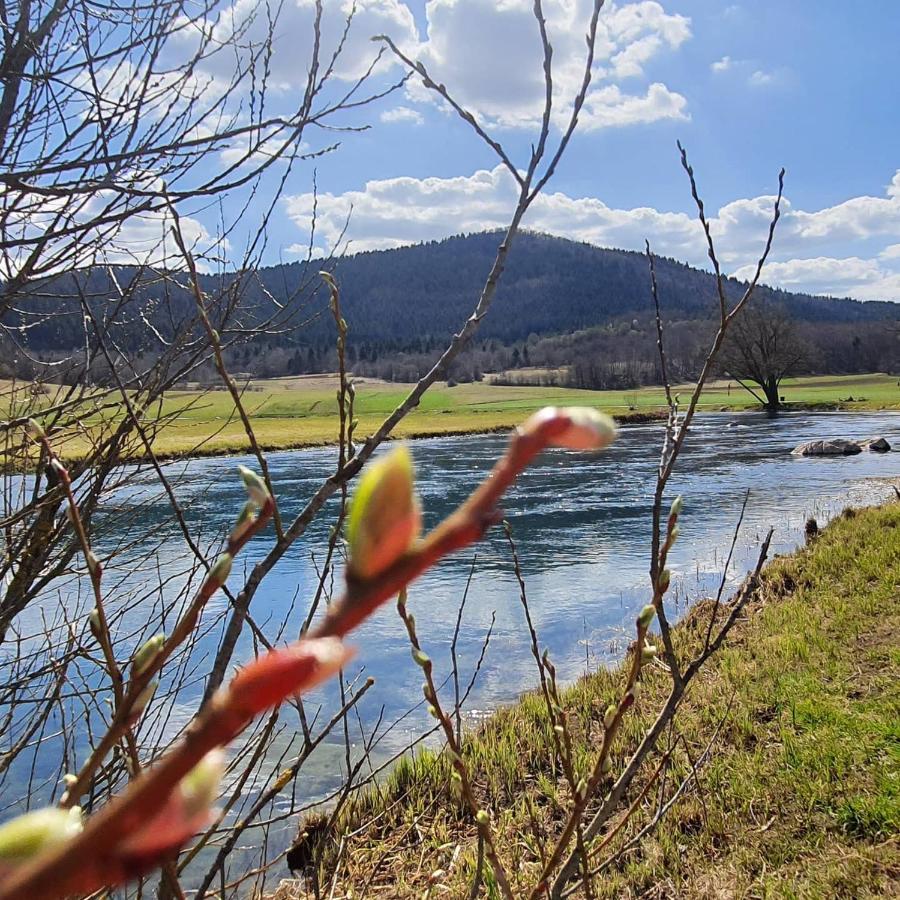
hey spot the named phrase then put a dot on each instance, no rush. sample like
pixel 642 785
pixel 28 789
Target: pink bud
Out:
pixel 287 671
pixel 187 811
pixel 573 427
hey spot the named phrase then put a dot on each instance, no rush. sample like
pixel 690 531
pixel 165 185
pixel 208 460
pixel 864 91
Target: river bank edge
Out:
pixel 798 798
pixel 405 434
pixel 201 451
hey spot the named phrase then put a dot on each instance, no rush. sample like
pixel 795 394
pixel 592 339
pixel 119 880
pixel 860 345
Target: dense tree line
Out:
pixel 563 305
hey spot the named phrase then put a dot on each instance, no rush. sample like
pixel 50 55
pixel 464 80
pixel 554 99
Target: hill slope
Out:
pixel 410 300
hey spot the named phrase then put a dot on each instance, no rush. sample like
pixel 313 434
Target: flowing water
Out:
pixel 581 524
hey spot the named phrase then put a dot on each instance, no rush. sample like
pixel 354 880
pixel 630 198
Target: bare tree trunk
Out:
pixel 771 390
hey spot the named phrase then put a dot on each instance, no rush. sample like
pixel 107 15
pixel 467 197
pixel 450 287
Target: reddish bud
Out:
pixel 187 810
pixel 287 671
pixel 573 427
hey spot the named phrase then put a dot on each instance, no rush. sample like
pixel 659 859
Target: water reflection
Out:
pixel 580 523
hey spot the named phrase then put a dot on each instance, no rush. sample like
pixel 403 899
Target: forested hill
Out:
pixel 402 305
pixel 551 286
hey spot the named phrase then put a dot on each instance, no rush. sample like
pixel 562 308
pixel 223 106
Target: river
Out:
pixel 581 523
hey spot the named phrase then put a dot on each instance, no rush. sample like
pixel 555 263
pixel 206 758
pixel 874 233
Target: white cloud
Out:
pixel 893 189
pixel 609 106
pixel 293 36
pixel 629 63
pixel 751 72
pixel 852 248
pixel 852 276
pixel 146 240
pixel 761 78
pixel 823 273
pixel 86 240
pixel 402 114
pixel 488 53
pixel 397 211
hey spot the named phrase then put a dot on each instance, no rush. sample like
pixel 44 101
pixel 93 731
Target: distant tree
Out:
pixel 763 348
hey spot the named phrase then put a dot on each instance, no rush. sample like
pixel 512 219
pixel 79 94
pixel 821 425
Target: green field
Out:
pixel 302 411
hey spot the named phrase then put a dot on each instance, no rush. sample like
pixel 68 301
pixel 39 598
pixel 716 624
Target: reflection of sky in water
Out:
pixel 580 522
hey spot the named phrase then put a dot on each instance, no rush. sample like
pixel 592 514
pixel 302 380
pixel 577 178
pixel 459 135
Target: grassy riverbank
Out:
pixel 302 411
pixel 800 796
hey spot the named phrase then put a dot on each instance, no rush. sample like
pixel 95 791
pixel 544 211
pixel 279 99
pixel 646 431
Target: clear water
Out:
pixel 581 524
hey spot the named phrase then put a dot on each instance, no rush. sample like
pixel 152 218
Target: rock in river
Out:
pixel 834 447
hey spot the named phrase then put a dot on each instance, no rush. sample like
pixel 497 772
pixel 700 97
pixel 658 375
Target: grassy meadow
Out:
pixel 302 411
pixel 800 795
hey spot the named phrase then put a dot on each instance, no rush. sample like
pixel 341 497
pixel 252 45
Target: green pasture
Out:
pixel 302 411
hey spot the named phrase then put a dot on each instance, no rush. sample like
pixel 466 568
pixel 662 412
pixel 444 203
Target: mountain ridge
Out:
pixel 407 302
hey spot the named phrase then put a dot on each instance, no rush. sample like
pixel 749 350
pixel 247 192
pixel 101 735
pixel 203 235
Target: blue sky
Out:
pixel 748 87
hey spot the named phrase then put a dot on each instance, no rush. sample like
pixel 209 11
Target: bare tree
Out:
pixel 148 782
pixel 110 114
pixel 763 348
pixel 116 122
pixel 122 128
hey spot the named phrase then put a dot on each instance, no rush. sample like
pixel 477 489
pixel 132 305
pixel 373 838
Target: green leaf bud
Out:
pixel 145 656
pixel 385 518
pixel 200 787
pixel 222 569
pixel 28 835
pixel 610 716
pixel 645 617
pixel 34 429
pixel 93 563
pixel 255 486
pixel 244 521
pixel 141 702
pixel 665 579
